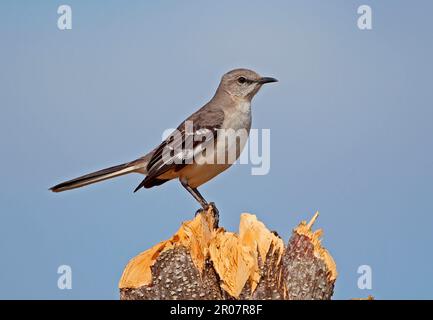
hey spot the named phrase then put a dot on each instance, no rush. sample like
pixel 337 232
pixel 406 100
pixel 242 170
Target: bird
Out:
pixel 229 110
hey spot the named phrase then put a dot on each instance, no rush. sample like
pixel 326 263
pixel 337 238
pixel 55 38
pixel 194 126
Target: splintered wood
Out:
pixel 201 262
pixel 194 235
pixel 236 257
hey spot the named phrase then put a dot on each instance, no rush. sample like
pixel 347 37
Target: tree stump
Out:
pixel 204 261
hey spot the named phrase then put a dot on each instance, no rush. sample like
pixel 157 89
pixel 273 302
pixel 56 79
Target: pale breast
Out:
pixel 238 117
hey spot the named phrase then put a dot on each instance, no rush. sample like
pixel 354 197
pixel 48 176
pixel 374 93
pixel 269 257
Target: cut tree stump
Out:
pixel 205 262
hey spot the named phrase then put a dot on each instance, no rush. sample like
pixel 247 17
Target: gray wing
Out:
pixel 178 150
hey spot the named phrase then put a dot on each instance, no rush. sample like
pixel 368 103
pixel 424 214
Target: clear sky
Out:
pixel 350 120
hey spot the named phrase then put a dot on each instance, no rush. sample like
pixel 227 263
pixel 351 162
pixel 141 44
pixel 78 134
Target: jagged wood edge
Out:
pixel 289 277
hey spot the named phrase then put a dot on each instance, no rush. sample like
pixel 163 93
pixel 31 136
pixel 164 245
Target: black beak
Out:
pixel 266 80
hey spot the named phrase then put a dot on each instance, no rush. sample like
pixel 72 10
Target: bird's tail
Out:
pixel 138 165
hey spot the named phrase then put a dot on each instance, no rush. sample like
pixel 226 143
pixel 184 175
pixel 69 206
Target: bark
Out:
pixel 203 261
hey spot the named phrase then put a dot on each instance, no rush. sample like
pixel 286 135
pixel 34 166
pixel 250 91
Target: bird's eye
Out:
pixel 242 80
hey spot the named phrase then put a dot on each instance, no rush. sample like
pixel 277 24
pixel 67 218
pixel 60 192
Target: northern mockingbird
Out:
pixel 228 110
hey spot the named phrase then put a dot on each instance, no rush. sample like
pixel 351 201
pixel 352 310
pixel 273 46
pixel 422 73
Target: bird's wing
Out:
pixel 179 149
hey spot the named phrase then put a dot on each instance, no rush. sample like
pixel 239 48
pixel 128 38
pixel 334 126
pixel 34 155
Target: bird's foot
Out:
pixel 215 212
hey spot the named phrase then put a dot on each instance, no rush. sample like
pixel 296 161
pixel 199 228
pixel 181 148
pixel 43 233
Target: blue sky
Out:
pixel 350 120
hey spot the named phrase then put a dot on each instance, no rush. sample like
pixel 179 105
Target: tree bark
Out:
pixel 203 261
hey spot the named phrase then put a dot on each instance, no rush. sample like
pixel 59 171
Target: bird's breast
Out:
pixel 238 116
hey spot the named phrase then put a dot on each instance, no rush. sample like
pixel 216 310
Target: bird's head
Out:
pixel 243 83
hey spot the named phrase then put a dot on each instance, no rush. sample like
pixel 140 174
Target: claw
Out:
pixel 215 213
pixel 198 212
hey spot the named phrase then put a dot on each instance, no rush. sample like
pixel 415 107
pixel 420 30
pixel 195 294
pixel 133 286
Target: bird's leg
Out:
pixel 199 198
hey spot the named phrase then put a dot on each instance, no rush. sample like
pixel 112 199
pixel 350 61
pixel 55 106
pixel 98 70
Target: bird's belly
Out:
pixel 220 158
pixel 198 174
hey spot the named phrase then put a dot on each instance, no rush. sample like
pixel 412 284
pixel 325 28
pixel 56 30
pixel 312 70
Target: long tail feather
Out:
pixel 98 176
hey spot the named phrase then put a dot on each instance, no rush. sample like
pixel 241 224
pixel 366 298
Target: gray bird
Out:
pixel 230 108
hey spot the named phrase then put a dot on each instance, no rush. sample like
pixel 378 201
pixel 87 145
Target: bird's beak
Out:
pixel 264 80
